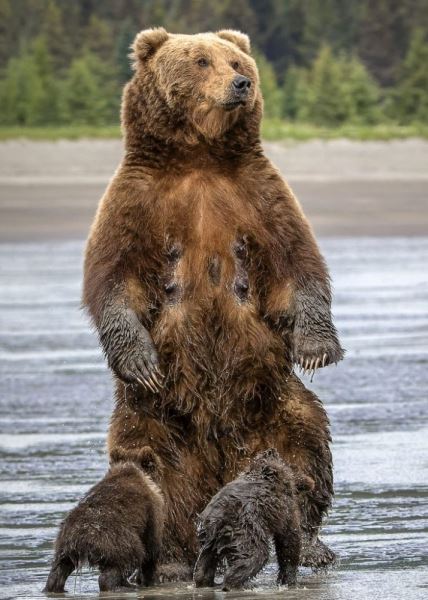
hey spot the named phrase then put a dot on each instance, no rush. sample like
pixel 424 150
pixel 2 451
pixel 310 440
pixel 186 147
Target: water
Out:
pixel 56 402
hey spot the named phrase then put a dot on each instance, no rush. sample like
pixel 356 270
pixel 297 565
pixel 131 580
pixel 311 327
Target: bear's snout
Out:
pixel 240 86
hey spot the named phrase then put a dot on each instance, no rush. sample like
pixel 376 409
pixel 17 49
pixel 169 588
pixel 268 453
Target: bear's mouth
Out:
pixel 233 104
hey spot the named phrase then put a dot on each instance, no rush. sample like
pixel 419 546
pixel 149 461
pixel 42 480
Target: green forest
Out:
pixel 325 63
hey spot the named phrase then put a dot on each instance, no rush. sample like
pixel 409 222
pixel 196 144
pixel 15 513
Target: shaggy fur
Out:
pixel 116 527
pixel 205 283
pixel 243 517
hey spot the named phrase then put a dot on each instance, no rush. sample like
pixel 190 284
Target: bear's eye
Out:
pixel 203 62
pixel 235 65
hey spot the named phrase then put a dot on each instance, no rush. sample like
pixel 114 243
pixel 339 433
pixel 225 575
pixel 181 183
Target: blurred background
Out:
pixel 327 63
pixel 346 120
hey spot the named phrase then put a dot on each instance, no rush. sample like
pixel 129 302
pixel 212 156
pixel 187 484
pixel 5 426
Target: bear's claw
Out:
pixel 141 370
pixel 311 357
pixel 313 365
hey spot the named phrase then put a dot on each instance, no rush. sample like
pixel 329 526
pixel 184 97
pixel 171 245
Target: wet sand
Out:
pixel 50 190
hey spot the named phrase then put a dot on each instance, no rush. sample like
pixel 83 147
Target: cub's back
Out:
pixel 109 520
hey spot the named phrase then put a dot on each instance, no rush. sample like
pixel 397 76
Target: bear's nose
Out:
pixel 241 84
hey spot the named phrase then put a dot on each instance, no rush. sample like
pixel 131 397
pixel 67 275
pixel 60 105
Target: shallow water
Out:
pixel 56 400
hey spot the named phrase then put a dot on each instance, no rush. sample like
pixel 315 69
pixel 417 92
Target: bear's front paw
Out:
pixel 311 355
pixel 139 364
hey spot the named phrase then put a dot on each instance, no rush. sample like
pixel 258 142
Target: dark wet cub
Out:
pixel 239 522
pixel 117 526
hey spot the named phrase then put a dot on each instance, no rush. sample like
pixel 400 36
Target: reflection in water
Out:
pixel 56 402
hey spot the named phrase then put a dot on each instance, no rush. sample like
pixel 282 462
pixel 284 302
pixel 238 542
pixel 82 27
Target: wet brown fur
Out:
pixel 238 524
pixel 116 527
pixel 201 263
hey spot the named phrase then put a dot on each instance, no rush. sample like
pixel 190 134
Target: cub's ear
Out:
pixel 144 457
pixel 236 37
pixel 147 42
pixel 304 483
pixel 148 460
pixel 118 454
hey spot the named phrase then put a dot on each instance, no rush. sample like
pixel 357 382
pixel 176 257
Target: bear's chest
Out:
pixel 206 225
pixel 207 211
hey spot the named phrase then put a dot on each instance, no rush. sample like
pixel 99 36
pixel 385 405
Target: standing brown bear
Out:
pixel 205 283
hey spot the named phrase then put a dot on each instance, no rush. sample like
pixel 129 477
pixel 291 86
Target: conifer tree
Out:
pixel 99 39
pixel 90 96
pixel 412 92
pixel 58 44
pixel 272 95
pixel 326 101
pixel 48 106
pixel 294 91
pixel 363 92
pixel 29 94
pixel 123 47
pixel 5 30
pixel 20 92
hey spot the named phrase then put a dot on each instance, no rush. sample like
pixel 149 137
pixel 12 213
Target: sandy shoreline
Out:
pixel 50 190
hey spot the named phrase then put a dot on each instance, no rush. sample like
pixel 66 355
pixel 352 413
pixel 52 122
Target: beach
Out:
pixel 50 190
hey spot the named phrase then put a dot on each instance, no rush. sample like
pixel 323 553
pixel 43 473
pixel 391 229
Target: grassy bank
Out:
pixel 271 130
pixel 285 130
pixel 69 132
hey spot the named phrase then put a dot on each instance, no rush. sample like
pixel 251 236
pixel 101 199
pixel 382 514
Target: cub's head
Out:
pixel 270 467
pixel 144 458
pixel 208 79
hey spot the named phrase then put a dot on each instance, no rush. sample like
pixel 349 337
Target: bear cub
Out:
pixel 242 518
pixel 117 526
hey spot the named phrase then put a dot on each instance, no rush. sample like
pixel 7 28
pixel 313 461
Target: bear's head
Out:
pixel 197 84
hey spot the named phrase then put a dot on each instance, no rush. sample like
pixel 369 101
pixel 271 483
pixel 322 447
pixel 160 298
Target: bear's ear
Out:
pixel 236 37
pixel 147 42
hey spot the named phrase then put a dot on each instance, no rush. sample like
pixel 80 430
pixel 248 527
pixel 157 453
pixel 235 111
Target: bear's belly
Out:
pixel 213 341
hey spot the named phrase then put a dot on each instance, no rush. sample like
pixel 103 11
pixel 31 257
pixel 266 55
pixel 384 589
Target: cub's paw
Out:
pixel 139 364
pixel 311 355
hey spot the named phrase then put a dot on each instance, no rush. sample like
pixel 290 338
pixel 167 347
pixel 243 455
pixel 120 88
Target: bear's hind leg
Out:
pixel 303 441
pixel 112 579
pixel 60 571
pixel 146 573
pixel 205 568
pixel 242 568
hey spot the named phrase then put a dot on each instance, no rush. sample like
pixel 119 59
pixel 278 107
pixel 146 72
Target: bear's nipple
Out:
pixel 241 286
pixel 214 269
